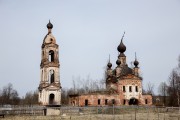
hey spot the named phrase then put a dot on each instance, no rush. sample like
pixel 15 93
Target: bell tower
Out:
pixel 49 87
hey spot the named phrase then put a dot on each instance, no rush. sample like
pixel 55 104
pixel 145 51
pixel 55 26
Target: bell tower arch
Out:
pixel 49 87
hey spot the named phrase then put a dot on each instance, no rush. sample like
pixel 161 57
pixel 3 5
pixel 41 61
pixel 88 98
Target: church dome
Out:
pixel 109 65
pixel 136 63
pixel 118 62
pixel 121 48
pixel 49 25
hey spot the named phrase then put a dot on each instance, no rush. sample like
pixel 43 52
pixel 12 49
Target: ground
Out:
pixel 139 116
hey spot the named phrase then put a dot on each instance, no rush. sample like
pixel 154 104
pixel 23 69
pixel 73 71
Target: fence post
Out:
pixel 135 113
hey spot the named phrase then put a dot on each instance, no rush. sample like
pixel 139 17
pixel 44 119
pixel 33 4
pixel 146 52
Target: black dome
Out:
pixel 121 48
pixel 136 63
pixel 49 25
pixel 109 65
pixel 118 62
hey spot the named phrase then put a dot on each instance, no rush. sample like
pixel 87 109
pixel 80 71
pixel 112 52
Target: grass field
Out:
pixel 139 116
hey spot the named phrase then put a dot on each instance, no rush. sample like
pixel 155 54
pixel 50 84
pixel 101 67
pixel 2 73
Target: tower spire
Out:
pixel 109 58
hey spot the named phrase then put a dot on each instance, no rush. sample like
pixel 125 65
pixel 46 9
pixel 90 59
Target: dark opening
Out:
pixel 124 101
pixel 106 101
pixel 99 101
pixel 133 101
pixel 136 88
pixel 51 75
pixel 86 102
pixel 51 99
pixel 124 89
pixel 130 88
pixel 113 101
pixel 146 101
pixel 51 56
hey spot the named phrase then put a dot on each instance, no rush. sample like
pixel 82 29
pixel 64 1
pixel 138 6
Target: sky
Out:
pixel 87 31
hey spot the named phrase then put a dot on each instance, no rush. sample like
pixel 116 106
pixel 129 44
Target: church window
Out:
pixel 130 88
pixel 106 101
pixel 146 101
pixel 136 88
pixel 99 101
pixel 51 56
pixel 124 89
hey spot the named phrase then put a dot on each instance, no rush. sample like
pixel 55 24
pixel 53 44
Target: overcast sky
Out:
pixel 87 31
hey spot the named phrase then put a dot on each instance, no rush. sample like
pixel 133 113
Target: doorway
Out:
pixel 51 99
pixel 133 101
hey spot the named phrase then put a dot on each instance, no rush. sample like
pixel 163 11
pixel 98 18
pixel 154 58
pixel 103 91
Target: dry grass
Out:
pixel 139 116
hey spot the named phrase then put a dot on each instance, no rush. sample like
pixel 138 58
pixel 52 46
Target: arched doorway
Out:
pixel 51 99
pixel 133 101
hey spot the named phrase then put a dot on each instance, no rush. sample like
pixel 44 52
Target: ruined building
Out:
pixel 123 86
pixel 49 87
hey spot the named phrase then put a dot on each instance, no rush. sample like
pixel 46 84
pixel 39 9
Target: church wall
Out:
pixel 93 100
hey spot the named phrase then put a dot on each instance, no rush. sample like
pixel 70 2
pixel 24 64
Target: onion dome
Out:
pixel 118 62
pixel 121 48
pixel 109 65
pixel 136 63
pixel 49 25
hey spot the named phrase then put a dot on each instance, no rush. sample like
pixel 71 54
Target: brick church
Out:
pixel 123 86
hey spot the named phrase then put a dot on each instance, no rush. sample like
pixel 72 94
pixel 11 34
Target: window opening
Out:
pixel 146 101
pixel 106 101
pixel 124 101
pixel 51 56
pixel 130 88
pixel 136 88
pixel 51 76
pixel 99 101
pixel 124 89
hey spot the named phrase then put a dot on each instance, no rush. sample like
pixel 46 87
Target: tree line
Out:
pixel 169 91
pixel 10 96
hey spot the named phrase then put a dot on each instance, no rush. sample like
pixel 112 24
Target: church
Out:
pixel 123 86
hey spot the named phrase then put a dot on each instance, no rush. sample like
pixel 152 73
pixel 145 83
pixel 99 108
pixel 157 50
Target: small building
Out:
pixel 123 86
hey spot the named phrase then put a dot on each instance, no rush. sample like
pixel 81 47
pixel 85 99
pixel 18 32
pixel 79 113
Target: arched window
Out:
pixel 51 76
pixel 51 56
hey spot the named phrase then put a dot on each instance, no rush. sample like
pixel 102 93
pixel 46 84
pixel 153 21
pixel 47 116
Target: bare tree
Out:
pixel 163 91
pixel 9 95
pixel 31 98
pixel 150 88
pixel 174 86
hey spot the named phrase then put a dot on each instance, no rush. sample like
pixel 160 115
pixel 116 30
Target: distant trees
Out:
pixel 9 95
pixel 150 88
pixel 163 92
pixel 170 92
pixel 31 98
